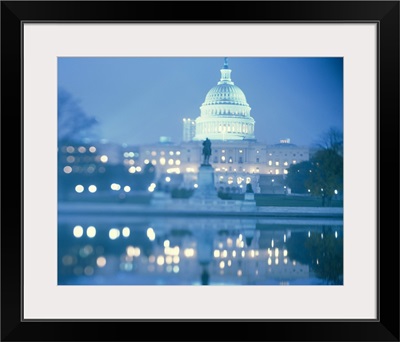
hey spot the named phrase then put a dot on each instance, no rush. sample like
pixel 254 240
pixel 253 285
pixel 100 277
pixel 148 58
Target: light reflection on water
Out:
pixel 198 251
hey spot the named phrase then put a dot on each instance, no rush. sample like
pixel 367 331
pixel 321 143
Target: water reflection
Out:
pixel 198 251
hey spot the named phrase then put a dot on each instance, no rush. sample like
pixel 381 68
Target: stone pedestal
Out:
pixel 205 181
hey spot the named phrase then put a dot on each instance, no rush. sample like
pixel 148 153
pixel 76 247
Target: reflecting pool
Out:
pixel 142 250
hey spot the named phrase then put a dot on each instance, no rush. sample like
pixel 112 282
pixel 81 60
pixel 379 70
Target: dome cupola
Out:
pixel 225 113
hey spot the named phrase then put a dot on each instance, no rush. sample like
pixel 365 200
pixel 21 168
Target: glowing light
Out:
pixel 195 185
pixel 154 162
pixel 285 252
pixel 115 186
pixel 68 169
pixel 101 261
pixel 336 192
pixel 152 259
pixel 171 251
pixel 170 162
pixel 104 158
pixel 138 169
pixel 188 252
pixel 336 234
pixel 309 233
pixel 239 273
pixel 70 149
pixel 224 253
pixel 151 234
pixel 92 149
pixel 78 231
pixel 176 259
pixel 176 269
pixel 222 264
pixel 162 161
pixel 171 153
pixel 160 260
pixel 127 188
pixel 285 261
pixel 167 179
pixel 131 162
pixel 177 162
pixel 126 232
pixel 146 161
pixel 113 233
pixel 70 159
pixel 229 242
pixel 276 261
pixel 243 254
pixel 217 253
pixel 92 188
pixel 178 153
pixel 82 149
pixel 153 153
pixel 91 232
pixel 276 252
pixel 269 261
pixel 322 235
pixel 233 254
pixel 272 243
pixel 168 259
pixel 133 251
pixel 79 188
pixel 176 170
pixel 229 263
pixel 132 169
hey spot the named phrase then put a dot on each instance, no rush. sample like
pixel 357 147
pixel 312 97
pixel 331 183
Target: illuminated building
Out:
pixel 237 157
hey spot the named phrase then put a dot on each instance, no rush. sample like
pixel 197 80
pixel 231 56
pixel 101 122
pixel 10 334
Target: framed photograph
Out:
pixel 199 162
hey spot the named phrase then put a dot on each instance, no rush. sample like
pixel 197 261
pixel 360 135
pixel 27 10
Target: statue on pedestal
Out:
pixel 206 151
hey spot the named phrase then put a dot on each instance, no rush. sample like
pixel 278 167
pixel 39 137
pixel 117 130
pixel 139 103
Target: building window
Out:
pixel 240 160
pixel 270 162
pixel 215 159
pixel 223 159
pixel 230 160
pixel 277 163
pixel 277 171
pixel 257 160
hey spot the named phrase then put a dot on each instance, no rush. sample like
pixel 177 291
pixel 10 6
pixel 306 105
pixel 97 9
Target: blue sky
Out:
pixel 137 100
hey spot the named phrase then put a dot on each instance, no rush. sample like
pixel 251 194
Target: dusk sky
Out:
pixel 137 100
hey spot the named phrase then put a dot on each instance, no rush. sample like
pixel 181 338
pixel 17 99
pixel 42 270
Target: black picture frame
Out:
pixel 15 13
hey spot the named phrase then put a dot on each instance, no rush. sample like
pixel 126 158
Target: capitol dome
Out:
pixel 225 113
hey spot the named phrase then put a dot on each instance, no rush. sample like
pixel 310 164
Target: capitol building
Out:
pixel 237 157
